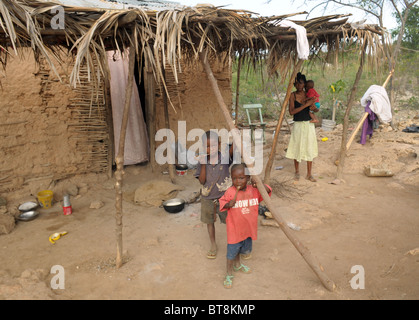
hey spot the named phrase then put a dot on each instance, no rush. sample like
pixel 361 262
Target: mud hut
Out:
pixel 56 118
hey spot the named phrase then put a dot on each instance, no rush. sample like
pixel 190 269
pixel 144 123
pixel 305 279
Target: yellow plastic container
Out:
pixel 45 198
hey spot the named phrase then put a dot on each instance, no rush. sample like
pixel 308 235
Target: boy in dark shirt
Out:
pixel 214 175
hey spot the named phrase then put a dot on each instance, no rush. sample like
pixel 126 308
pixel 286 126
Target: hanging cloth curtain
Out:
pixel 136 141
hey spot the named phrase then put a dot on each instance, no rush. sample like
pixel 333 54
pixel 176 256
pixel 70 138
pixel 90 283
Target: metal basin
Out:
pixel 28 215
pixel 28 206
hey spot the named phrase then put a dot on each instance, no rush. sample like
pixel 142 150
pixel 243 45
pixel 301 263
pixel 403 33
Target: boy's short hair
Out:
pixel 209 135
pixel 238 165
pixel 310 82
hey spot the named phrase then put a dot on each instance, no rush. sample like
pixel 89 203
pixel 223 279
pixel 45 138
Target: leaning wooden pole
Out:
pixel 269 164
pixel 120 157
pixel 308 257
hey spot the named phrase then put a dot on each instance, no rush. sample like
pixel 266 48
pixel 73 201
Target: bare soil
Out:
pixel 371 222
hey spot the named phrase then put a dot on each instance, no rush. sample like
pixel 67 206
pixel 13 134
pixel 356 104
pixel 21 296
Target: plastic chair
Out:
pixel 253 125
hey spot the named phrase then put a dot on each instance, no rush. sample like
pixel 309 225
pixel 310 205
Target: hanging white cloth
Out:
pixel 303 48
pixel 380 103
pixel 136 140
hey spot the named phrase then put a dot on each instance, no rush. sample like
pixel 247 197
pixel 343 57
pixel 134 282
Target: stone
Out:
pixel 96 204
pixel 7 223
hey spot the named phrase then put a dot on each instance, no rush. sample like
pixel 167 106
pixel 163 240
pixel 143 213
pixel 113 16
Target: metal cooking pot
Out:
pixel 181 167
pixel 173 205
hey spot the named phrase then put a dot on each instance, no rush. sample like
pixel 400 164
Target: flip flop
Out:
pixel 296 176
pixel 311 178
pixel 228 282
pixel 212 254
pixel 243 268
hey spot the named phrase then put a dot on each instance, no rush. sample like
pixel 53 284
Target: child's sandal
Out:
pixel 228 282
pixel 243 268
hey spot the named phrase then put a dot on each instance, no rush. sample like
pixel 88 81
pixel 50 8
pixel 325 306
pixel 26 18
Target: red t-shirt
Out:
pixel 242 219
pixel 313 93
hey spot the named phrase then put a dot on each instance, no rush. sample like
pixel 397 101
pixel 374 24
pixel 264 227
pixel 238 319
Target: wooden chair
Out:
pixel 254 125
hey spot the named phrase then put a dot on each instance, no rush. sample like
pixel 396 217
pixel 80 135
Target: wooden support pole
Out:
pixel 311 260
pixel 120 157
pixel 172 172
pixel 150 108
pixel 342 152
pixel 280 120
pixel 238 88
pixel 285 118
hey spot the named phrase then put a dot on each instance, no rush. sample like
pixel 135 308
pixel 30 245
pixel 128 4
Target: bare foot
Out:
pixel 296 176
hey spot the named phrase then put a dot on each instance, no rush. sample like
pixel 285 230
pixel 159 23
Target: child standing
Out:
pixel 214 176
pixel 310 93
pixel 242 202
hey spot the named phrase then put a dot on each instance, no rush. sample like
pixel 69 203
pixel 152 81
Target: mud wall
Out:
pixel 42 125
pixel 193 98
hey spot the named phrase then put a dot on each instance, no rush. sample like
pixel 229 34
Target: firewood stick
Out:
pixel 311 260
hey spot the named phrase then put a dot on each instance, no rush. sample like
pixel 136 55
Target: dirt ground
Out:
pixel 371 222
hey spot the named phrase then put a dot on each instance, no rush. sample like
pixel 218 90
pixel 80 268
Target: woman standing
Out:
pixel 303 141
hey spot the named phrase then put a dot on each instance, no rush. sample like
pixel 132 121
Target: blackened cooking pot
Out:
pixel 174 205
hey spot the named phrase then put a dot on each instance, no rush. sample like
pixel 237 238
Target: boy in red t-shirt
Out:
pixel 242 202
pixel 311 92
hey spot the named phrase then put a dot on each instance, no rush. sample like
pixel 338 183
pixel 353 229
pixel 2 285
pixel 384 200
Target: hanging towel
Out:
pixel 303 49
pixel 380 103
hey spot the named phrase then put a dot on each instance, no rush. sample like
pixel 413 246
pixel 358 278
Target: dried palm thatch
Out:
pixel 172 34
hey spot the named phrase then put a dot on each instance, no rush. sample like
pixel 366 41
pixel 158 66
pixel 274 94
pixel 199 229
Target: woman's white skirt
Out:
pixel 303 142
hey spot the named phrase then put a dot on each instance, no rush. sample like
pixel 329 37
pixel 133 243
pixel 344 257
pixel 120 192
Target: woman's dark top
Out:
pixel 303 115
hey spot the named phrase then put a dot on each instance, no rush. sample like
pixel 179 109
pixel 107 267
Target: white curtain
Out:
pixel 136 141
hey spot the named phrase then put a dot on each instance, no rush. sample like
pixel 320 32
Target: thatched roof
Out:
pixel 172 33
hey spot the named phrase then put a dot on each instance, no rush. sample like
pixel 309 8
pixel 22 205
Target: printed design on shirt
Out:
pixel 205 191
pixel 223 186
pixel 245 204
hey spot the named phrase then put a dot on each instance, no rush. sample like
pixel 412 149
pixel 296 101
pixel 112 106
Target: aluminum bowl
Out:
pixel 174 205
pixel 28 215
pixel 28 206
